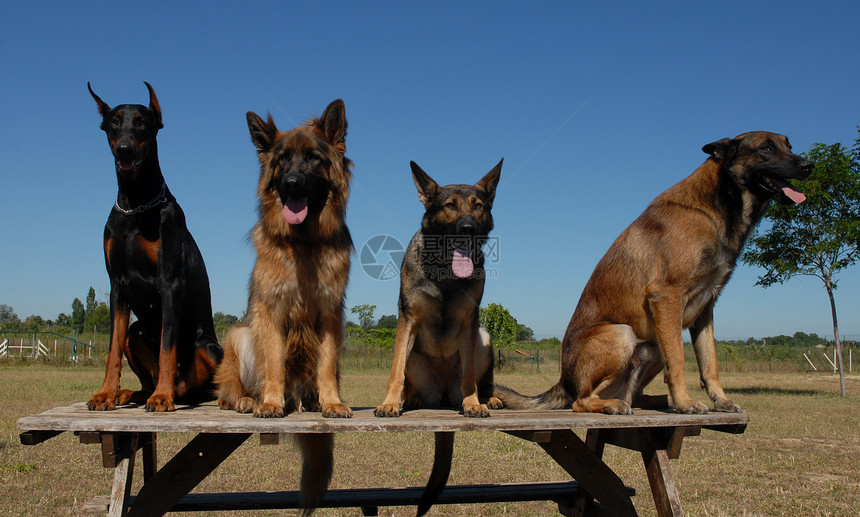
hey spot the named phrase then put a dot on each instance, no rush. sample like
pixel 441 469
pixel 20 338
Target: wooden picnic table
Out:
pixel 121 433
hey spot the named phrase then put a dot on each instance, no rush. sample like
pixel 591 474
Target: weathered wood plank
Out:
pixel 37 437
pixel 369 497
pixel 211 419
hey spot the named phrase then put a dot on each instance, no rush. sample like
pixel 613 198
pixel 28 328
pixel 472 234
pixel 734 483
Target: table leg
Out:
pixel 588 469
pixel 184 471
pixel 662 481
pixel 124 452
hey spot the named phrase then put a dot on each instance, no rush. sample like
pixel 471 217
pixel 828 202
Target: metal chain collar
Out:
pixel 160 198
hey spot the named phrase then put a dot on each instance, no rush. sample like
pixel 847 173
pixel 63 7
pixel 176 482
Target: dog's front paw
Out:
pixel 726 406
pixel 337 410
pixel 691 407
pixel 386 410
pixel 159 403
pixel 266 410
pixel 225 404
pixel 246 405
pixel 476 411
pixel 102 401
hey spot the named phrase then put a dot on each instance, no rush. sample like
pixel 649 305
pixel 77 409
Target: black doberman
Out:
pixel 156 272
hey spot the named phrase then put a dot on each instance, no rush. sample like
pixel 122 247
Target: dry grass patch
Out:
pixel 799 456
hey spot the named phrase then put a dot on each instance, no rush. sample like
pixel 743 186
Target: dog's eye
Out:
pixel 114 122
pixel 450 205
pixel 766 148
pixel 479 205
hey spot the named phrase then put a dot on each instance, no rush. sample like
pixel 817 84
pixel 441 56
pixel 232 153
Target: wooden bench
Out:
pixel 121 433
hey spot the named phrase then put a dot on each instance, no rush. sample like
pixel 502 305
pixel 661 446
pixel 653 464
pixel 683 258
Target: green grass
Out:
pixel 799 456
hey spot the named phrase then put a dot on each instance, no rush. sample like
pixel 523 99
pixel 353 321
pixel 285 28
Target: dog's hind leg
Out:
pixel 600 363
pixel 196 382
pixel 702 335
pixel 646 363
pixel 143 361
pixel 236 376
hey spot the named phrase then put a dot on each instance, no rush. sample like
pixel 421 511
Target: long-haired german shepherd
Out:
pixel 285 356
pixel 441 356
pixel 664 274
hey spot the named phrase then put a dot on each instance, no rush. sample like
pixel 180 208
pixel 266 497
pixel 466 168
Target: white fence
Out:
pixel 33 347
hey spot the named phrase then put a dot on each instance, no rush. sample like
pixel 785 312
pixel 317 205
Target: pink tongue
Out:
pixel 789 190
pixel 295 210
pixel 462 262
pixel 794 194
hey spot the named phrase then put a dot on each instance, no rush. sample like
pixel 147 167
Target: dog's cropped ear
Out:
pixel 491 180
pixel 722 149
pixel 426 186
pixel 262 133
pixel 104 109
pixel 154 107
pixel 333 123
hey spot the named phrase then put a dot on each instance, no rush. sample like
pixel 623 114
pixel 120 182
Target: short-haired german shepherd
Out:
pixel 663 274
pixel 285 357
pixel 441 356
pixel 156 272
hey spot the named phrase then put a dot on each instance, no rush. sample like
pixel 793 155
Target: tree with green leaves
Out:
pixel 8 319
pixel 365 315
pixel 222 322
pixel 78 314
pixel 525 333
pixel 820 237
pixel 90 308
pixel 388 321
pixel 499 323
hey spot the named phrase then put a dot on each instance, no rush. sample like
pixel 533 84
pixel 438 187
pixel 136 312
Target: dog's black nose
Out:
pixel 467 226
pixel 294 182
pixel 806 166
pixel 124 149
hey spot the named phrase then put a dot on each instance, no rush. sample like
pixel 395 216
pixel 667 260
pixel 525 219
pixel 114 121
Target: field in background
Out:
pixel 799 456
pixel 375 352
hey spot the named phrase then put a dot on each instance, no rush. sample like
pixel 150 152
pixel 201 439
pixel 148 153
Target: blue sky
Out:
pixel 596 108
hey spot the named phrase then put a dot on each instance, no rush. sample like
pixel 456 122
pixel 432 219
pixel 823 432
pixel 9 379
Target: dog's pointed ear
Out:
pixel 426 186
pixel 154 106
pixel 332 123
pixel 262 133
pixel 491 180
pixel 104 109
pixel 721 150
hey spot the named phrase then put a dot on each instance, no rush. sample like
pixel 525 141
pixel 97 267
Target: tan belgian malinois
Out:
pixel 662 275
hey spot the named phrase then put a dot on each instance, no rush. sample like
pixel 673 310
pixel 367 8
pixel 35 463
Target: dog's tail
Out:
pixel 442 456
pixel 553 398
pixel 317 468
